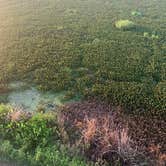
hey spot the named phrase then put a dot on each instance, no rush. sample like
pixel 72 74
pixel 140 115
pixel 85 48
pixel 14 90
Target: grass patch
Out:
pixel 125 24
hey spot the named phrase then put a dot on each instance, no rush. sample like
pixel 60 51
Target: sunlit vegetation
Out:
pixel 125 24
pixel 136 13
pixel 152 36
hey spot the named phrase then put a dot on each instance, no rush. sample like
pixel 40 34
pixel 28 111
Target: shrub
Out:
pixel 125 24
pixel 51 155
pixel 146 34
pixel 5 149
pixel 154 36
pixel 4 112
pixel 37 131
pixel 55 157
pixel 101 132
pixel 136 13
pixel 35 141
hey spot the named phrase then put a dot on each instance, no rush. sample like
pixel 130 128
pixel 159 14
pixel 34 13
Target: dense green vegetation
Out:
pixel 77 47
pixel 34 140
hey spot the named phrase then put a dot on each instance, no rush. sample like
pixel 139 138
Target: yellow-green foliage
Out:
pixel 136 13
pixel 124 24
pixel 4 111
pixel 146 34
pixel 153 36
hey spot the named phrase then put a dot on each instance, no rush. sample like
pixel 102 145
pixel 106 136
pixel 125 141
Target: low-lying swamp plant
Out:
pixel 33 139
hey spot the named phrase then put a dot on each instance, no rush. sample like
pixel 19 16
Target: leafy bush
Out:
pixel 124 24
pixel 35 141
pixel 50 155
pixel 153 35
pixel 136 13
pixel 4 110
pixel 37 131
pixel 146 34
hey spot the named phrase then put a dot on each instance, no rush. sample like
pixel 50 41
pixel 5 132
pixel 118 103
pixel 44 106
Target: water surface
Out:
pixel 30 98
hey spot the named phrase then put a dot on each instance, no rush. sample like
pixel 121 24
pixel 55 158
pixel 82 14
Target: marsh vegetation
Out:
pixel 66 66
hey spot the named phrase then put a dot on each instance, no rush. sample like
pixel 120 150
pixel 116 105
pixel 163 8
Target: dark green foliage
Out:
pixel 4 112
pixel 31 133
pixel 51 156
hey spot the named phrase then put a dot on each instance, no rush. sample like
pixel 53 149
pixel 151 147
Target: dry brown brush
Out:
pixel 104 133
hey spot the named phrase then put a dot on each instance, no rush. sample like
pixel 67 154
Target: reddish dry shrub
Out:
pixel 103 132
pixel 151 134
pixel 105 139
pixel 155 151
pixel 19 114
pixel 88 133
